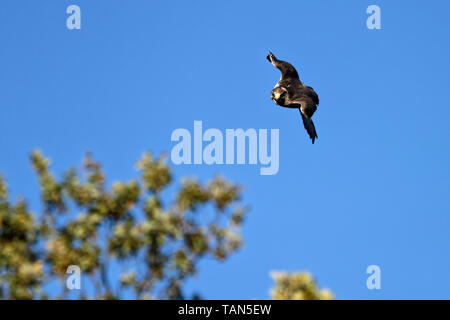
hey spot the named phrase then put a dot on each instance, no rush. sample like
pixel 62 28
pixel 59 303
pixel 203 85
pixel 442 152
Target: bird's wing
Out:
pixel 306 104
pixel 287 70
pixel 312 94
pixel 309 125
pixel 307 107
pixel 304 95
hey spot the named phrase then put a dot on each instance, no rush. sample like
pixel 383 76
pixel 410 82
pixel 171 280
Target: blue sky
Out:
pixel 374 189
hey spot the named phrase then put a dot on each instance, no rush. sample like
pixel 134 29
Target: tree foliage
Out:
pixel 297 286
pixel 132 228
pixel 136 239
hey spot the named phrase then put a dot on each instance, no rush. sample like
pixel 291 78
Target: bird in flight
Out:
pixel 290 92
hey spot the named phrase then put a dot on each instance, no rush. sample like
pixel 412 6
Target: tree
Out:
pixel 130 228
pixel 127 227
pixel 297 286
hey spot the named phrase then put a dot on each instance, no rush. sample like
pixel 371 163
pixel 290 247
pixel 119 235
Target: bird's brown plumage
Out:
pixel 290 92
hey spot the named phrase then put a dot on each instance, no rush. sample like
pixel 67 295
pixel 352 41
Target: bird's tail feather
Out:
pixel 309 126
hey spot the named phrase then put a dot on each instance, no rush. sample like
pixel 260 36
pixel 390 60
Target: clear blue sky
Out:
pixel 374 189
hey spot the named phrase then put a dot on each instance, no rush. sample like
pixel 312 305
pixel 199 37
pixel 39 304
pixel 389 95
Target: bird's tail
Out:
pixel 309 126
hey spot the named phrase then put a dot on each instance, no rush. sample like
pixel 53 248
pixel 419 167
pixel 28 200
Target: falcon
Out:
pixel 291 92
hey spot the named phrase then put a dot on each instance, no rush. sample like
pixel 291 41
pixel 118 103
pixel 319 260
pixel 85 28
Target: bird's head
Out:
pixel 278 95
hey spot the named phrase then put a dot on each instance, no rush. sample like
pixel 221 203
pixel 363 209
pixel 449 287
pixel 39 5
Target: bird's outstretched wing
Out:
pixel 307 108
pixel 309 126
pixel 287 70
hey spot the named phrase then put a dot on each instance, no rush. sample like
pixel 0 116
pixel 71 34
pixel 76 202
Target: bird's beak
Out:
pixel 276 96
